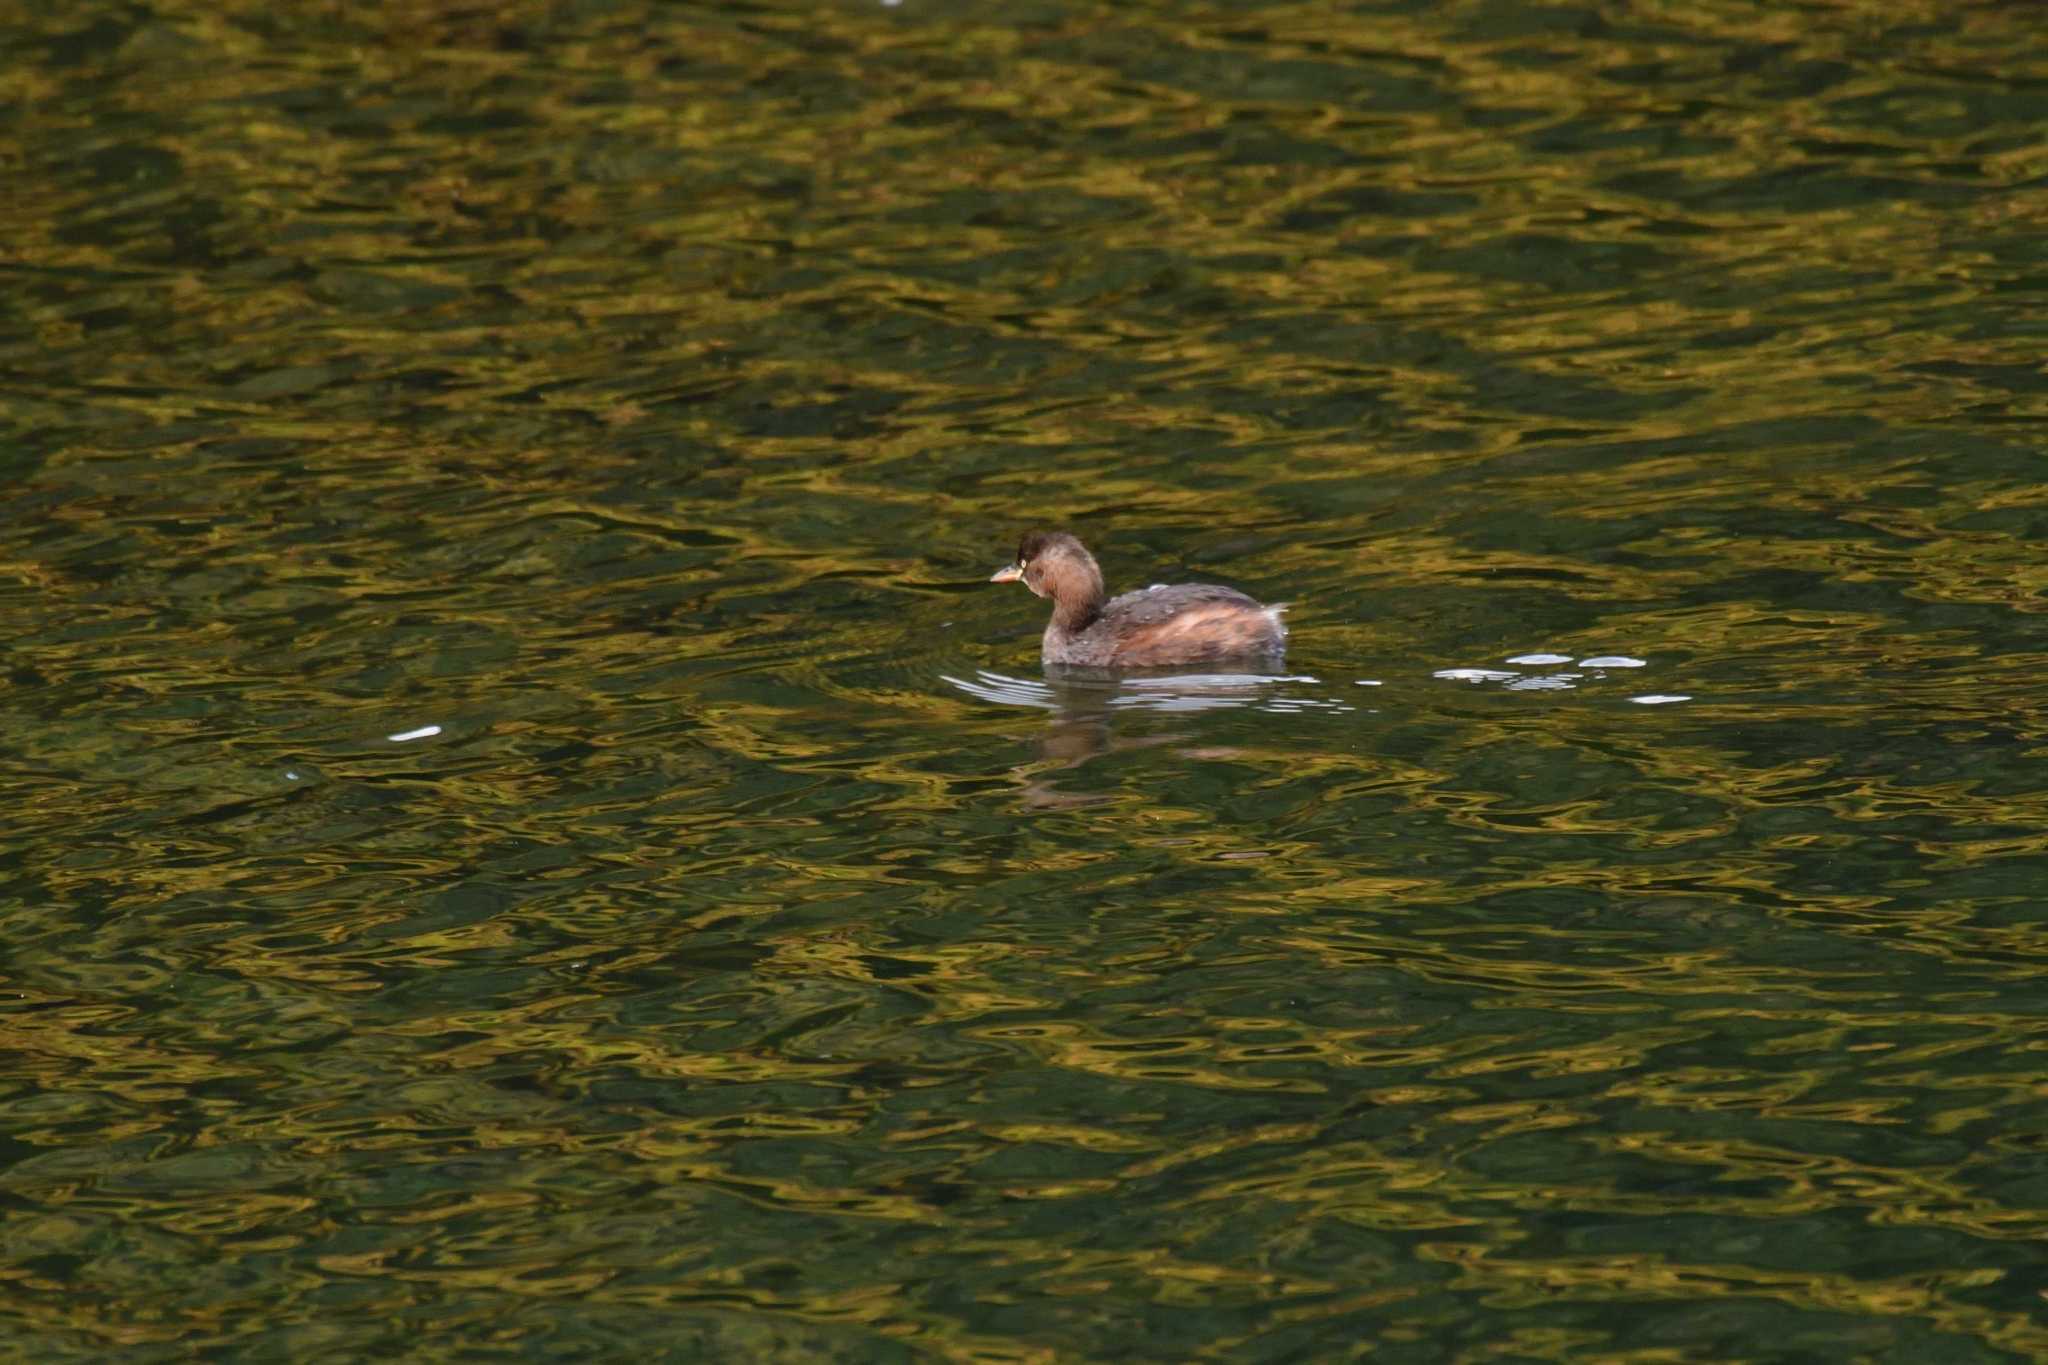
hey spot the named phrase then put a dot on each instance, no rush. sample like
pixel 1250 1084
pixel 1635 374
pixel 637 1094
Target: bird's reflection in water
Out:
pixel 1082 705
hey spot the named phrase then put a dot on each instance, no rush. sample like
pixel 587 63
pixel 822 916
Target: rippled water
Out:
pixel 531 835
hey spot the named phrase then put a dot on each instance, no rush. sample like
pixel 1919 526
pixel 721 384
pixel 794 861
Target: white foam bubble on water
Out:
pixel 1659 698
pixel 1547 682
pixel 1611 661
pixel 407 736
pixel 1540 659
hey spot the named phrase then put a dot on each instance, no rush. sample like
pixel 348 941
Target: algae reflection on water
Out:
pixel 765 960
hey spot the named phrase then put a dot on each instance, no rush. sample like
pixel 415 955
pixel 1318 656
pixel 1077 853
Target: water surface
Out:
pixel 1618 935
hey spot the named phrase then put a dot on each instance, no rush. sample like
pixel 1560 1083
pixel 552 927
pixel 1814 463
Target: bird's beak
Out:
pixel 1009 573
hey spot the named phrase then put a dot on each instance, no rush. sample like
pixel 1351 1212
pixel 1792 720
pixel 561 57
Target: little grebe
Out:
pixel 1158 627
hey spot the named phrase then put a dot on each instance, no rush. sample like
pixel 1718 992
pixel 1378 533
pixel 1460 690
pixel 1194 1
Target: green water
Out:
pixel 764 961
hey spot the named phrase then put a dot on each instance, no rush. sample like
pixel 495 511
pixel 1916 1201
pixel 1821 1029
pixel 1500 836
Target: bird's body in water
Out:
pixel 1163 626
